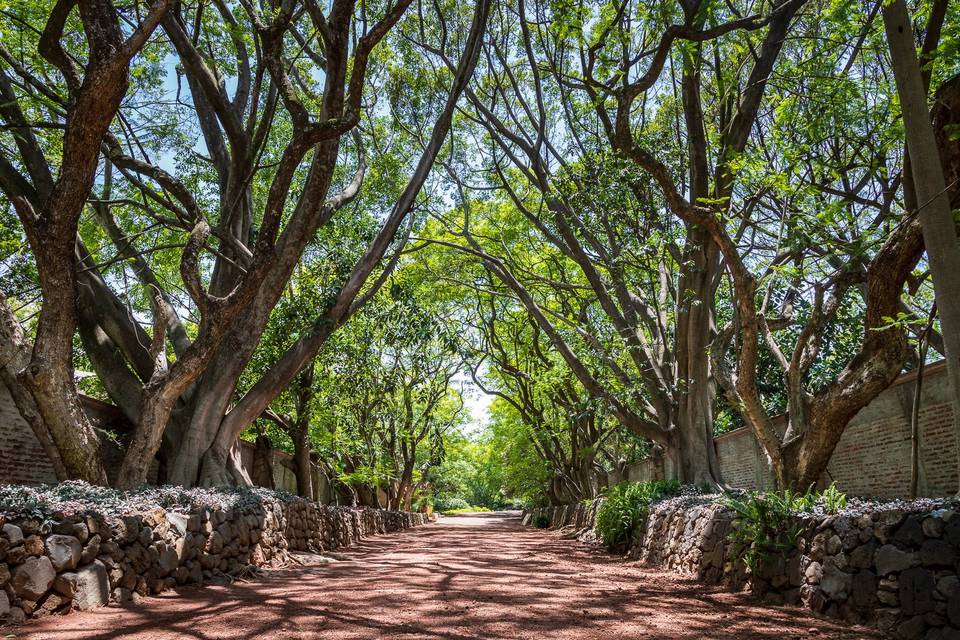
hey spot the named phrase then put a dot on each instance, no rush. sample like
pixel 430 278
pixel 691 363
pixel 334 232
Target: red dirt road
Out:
pixel 480 576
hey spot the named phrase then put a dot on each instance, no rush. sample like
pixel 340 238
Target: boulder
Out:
pixel 937 553
pixel 33 546
pixel 33 578
pixel 909 534
pixel 168 561
pixel 916 591
pixel 92 586
pixel 4 604
pixel 862 556
pixel 91 550
pixel 179 523
pixel 64 552
pixel 13 533
pixel 66 584
pixel 835 583
pixel 864 589
pixel 889 559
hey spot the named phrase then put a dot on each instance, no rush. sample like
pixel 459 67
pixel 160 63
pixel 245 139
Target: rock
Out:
pixel 92 587
pixel 33 578
pixel 834 545
pixel 933 525
pixel 909 534
pixel 50 604
pixel 4 604
pixel 937 553
pixel 948 586
pixel 66 584
pixel 952 531
pixel 168 561
pixel 916 591
pixel 953 609
pixel 64 552
pixel 864 589
pixel 13 533
pixel 33 545
pixel 81 532
pixel 4 574
pixel 836 584
pixel 16 615
pixel 862 556
pixel 911 629
pixel 886 522
pixel 178 523
pixel 814 573
pixel 16 555
pixel 91 550
pixel 888 598
pixel 889 559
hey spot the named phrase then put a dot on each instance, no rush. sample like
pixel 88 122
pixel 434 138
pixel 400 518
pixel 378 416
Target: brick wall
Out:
pixel 23 461
pixel 872 458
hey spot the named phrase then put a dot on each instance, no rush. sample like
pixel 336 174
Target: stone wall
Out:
pixel 873 456
pixel 891 566
pixel 87 560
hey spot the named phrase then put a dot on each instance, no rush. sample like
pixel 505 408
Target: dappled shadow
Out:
pixel 479 576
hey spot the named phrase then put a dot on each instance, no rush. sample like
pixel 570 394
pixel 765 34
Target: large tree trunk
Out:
pixel 301 461
pixel 936 218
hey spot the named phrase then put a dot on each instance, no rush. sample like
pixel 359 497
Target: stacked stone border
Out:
pixel 85 561
pixel 893 568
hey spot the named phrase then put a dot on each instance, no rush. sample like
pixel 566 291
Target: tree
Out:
pixel 932 195
pixel 49 208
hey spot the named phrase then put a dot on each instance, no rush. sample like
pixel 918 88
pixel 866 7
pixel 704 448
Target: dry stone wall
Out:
pixel 891 566
pixel 86 560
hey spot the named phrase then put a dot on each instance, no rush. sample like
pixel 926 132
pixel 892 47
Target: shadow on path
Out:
pixel 476 576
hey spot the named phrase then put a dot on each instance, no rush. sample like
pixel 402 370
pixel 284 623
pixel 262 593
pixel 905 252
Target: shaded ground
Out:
pixel 478 576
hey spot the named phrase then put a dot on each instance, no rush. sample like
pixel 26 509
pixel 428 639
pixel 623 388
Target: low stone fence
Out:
pixel 892 566
pixel 57 562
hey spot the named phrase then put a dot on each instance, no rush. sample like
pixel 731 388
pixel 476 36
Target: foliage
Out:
pixel 467 509
pixel 766 523
pixel 447 504
pixel 75 496
pixel 623 512
pixel 541 521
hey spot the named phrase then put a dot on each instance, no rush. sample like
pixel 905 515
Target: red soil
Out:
pixel 480 576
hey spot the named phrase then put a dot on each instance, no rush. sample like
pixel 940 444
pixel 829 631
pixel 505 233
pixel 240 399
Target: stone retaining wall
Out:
pixel 88 560
pixel 894 567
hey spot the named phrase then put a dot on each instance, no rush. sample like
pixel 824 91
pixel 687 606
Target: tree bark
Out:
pixel 936 218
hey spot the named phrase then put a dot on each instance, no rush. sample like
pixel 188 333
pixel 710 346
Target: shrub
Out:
pixel 445 504
pixel 623 513
pixel 541 521
pixel 766 523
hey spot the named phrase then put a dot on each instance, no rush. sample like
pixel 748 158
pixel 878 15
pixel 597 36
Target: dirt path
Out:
pixel 477 576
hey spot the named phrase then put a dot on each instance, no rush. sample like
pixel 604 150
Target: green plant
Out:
pixel 764 525
pixel 832 499
pixel 468 509
pixel 541 521
pixel 624 510
pixel 766 522
pixel 445 504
